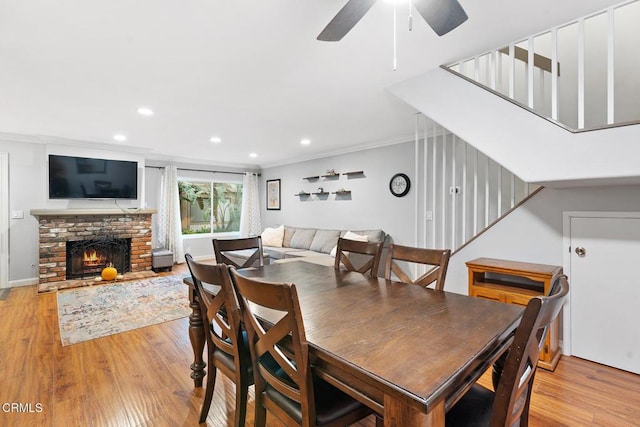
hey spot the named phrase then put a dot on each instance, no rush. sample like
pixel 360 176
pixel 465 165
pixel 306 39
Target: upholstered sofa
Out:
pixel 315 244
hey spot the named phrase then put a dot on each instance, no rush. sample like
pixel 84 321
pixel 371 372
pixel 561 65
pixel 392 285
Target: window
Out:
pixel 209 207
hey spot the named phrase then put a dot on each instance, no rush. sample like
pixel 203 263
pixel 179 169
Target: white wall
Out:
pixel 371 205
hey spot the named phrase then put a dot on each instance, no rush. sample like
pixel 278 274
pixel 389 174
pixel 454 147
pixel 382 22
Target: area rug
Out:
pixel 93 312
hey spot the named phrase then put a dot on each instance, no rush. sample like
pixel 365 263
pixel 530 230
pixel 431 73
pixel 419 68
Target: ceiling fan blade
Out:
pixel 441 15
pixel 345 20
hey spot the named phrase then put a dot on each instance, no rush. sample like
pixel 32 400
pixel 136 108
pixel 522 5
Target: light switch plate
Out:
pixel 17 214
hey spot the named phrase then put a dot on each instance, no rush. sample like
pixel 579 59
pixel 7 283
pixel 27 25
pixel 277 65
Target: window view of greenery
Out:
pixel 207 207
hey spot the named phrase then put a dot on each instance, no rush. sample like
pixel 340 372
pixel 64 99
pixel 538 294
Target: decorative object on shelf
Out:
pixel 273 195
pixel 331 174
pixel 399 185
pixel 320 190
pixel 302 193
pixel 109 273
pixel 341 191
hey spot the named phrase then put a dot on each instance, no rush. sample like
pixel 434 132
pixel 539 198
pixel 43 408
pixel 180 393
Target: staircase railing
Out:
pixel 599 83
pixel 461 192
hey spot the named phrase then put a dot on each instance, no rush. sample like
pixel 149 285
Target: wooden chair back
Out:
pixel 372 250
pixel 512 397
pixel 225 342
pixel 437 259
pixel 222 246
pixel 280 354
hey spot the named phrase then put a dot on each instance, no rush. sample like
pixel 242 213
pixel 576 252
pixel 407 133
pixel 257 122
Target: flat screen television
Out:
pixel 91 178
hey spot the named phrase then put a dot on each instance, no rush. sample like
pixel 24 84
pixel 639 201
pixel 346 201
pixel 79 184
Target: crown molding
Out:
pixel 355 148
pixel 46 139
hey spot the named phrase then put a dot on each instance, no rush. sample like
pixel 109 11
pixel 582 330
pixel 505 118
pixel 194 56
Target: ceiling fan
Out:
pixel 441 15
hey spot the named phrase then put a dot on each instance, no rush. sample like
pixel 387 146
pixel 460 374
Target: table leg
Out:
pixel 196 336
pixel 398 414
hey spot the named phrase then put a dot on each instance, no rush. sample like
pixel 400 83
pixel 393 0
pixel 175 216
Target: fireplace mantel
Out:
pixel 90 212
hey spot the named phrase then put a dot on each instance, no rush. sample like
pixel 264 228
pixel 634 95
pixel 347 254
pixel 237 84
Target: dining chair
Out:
pixel 222 247
pixel 509 405
pixel 284 380
pixel 436 259
pixel 369 250
pixel 227 349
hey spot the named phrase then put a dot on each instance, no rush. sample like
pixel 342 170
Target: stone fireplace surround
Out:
pixel 58 226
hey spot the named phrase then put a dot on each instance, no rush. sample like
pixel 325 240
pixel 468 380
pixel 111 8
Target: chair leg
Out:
pixel 260 411
pixel 208 394
pixel 379 420
pixel 242 390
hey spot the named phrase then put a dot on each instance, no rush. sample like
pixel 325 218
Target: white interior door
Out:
pixel 605 290
pixel 4 220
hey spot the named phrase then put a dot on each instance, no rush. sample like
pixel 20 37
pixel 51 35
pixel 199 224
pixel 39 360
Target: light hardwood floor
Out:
pixel 141 378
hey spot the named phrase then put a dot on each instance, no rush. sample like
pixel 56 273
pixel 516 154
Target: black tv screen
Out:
pixel 90 178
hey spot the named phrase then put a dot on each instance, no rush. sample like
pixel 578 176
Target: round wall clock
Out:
pixel 399 185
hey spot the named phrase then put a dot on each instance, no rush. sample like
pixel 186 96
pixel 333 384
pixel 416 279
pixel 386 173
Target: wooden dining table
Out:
pixel 406 351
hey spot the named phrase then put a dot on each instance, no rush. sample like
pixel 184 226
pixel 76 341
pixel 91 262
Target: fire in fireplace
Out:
pixel 87 258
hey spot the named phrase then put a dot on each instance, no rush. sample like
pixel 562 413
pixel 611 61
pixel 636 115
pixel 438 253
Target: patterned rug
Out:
pixel 93 312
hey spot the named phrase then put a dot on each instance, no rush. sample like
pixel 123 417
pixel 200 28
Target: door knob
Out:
pixel 580 251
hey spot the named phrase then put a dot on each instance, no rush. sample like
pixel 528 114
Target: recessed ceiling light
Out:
pixel 216 139
pixel 120 138
pixel 143 111
pixel 253 155
pixel 305 141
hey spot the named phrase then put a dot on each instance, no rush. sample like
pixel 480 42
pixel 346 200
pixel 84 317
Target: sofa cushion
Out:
pixel 273 236
pixel 302 238
pixel 350 235
pixel 279 253
pixel 372 235
pixel 324 240
pixel 288 235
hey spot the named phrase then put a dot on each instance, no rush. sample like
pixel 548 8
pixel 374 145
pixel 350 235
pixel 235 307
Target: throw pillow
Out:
pixel 273 236
pixel 350 236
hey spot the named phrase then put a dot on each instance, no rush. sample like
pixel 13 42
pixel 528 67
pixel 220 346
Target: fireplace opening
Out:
pixel 87 258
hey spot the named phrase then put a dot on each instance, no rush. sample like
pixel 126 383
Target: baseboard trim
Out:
pixel 23 282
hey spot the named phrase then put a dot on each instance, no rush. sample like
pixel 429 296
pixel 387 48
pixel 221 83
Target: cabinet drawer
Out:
pixel 518 299
pixel 485 293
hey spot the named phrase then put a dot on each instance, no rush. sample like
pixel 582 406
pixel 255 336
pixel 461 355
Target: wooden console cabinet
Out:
pixel 514 282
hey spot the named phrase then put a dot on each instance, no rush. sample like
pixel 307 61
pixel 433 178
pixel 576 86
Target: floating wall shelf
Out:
pixel 311 178
pixel 342 192
pixel 323 193
pixel 331 176
pixel 302 194
pixel 354 173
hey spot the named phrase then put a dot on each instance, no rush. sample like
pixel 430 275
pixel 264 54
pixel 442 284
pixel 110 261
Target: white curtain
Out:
pixel 250 215
pixel 170 229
